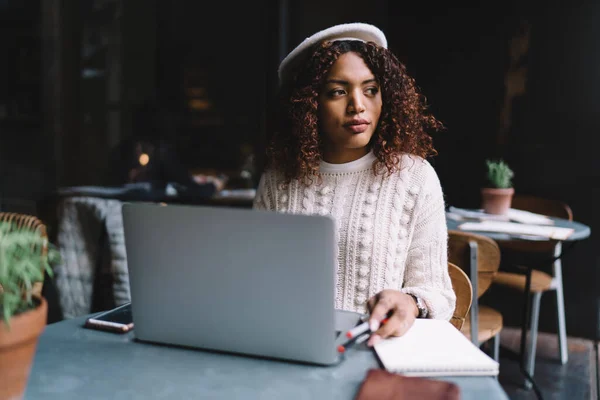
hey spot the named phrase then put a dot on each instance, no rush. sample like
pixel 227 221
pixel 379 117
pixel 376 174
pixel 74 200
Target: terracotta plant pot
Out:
pixel 496 201
pixel 17 348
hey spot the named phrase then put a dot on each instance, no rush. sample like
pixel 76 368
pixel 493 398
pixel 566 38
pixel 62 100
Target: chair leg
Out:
pixel 496 347
pixel 532 345
pixel 560 313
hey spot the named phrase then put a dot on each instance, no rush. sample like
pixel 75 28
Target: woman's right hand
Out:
pixel 403 310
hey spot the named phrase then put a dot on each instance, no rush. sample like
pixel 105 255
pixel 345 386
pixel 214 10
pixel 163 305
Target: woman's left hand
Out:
pixel 403 310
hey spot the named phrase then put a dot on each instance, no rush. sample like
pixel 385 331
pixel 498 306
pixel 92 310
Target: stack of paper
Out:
pixel 525 217
pixel 551 232
pixel 475 214
pixel 434 348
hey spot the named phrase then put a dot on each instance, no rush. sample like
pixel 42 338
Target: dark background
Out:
pixel 77 77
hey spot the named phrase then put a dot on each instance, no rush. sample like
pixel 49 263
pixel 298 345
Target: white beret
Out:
pixel 353 31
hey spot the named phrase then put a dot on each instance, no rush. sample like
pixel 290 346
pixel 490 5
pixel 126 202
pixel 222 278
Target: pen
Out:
pixel 360 329
pixel 359 340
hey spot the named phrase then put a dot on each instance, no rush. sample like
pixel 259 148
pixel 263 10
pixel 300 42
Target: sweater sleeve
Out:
pixel 426 274
pixel 264 199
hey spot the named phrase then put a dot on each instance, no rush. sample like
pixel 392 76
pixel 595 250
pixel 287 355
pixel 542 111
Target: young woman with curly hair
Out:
pixel 350 142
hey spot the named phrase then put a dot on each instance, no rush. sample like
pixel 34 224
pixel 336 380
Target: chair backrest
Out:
pixel 488 256
pixel 464 295
pixel 539 205
pixel 30 223
pixel 24 221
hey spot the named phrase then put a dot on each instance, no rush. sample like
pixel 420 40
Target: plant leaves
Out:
pixel 22 264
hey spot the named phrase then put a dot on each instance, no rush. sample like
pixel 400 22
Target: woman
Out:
pixel 350 142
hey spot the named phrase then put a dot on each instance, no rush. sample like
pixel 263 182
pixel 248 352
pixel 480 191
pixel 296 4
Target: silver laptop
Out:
pixel 236 280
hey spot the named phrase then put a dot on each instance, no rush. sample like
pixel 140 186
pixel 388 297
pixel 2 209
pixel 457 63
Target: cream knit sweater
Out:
pixel 391 231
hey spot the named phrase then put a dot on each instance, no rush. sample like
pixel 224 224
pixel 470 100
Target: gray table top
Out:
pixel 72 362
pixel 581 231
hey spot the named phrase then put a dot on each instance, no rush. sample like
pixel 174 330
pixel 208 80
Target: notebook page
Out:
pixel 434 348
pixel 552 232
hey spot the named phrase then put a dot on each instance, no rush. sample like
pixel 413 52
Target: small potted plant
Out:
pixel 496 198
pixel 24 258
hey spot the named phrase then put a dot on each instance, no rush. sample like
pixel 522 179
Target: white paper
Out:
pixel 551 232
pixel 434 348
pixel 526 217
pixel 476 214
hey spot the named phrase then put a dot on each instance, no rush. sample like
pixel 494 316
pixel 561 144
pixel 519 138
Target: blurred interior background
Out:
pixel 91 91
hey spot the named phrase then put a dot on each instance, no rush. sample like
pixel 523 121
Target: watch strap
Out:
pixel 423 312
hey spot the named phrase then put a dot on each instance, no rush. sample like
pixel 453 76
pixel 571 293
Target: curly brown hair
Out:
pixel 295 144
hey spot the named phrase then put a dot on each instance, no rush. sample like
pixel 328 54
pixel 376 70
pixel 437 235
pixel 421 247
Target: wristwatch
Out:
pixel 420 306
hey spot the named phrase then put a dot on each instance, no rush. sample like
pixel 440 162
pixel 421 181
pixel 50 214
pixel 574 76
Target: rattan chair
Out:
pixel 541 281
pixel 464 295
pixel 32 223
pixel 480 256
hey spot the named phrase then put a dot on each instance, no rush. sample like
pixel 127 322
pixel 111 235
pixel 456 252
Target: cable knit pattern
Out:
pixel 391 232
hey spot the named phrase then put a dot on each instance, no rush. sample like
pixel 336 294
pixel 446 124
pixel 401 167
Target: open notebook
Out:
pixel 434 348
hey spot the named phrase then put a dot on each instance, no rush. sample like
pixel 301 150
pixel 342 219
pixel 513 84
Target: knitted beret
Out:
pixel 353 31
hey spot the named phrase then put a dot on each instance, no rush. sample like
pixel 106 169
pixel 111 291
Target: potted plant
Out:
pixel 24 258
pixel 496 198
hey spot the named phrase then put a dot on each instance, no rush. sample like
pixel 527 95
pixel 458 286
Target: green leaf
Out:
pixel 22 264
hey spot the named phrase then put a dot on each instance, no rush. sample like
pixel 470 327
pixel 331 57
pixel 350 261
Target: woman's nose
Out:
pixel 356 104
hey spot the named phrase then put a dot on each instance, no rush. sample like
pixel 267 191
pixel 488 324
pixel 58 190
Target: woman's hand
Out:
pixel 403 310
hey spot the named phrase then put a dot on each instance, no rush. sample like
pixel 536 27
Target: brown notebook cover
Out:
pixel 380 384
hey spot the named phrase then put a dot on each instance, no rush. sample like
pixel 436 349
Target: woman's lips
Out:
pixel 357 128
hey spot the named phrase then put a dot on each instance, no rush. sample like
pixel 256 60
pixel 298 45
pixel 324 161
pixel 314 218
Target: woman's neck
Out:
pixel 344 156
pixel 361 164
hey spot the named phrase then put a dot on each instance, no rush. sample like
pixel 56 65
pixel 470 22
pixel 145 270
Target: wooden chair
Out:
pixel 541 281
pixel 32 223
pixel 464 295
pixel 482 256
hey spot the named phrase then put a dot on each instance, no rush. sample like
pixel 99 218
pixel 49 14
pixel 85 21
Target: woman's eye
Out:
pixel 337 92
pixel 372 90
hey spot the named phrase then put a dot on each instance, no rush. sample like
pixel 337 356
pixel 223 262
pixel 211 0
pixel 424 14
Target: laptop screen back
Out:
pixel 236 280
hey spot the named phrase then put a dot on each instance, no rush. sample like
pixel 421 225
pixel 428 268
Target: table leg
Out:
pixel 524 325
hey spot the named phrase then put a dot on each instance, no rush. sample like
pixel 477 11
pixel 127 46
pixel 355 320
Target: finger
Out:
pixel 388 329
pixel 380 311
pixel 373 340
pixel 397 325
